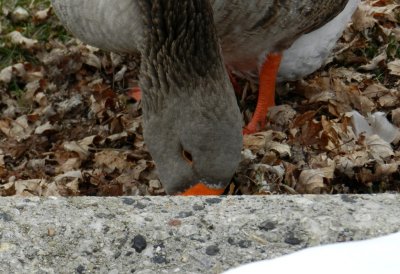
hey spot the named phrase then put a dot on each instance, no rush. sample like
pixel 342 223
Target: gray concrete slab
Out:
pixel 179 234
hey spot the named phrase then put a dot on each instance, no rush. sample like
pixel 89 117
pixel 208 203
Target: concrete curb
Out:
pixel 179 234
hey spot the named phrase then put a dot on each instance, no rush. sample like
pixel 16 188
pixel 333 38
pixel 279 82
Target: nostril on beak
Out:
pixel 187 157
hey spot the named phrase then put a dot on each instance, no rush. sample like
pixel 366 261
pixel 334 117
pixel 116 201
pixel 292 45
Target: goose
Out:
pixel 192 124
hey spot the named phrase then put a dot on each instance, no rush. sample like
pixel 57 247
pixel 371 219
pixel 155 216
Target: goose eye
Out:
pixel 187 157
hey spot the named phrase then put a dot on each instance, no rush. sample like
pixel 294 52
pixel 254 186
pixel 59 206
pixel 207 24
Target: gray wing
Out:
pixel 109 25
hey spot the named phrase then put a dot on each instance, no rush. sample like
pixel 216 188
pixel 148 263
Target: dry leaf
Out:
pixel 394 67
pixel 18 129
pixel 312 180
pixel 18 39
pixel 42 15
pixel 7 73
pixel 111 160
pixel 45 129
pixel 32 187
pixel 379 148
pixel 19 14
pixel 82 151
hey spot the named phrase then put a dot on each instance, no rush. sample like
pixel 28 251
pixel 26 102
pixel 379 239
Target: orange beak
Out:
pixel 202 189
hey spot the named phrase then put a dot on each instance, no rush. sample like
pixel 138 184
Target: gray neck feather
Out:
pixel 180 49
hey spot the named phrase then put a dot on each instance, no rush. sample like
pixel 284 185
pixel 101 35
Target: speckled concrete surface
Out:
pixel 179 234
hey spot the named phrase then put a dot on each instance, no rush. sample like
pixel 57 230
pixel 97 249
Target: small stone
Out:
pixel 103 215
pixel 267 225
pixel 292 240
pixel 51 231
pixel 174 222
pixel 213 200
pixel 198 207
pixel 80 269
pixel 117 254
pixel 197 238
pixel 244 243
pixel 128 201
pixel 184 258
pixel 139 243
pixel 185 214
pixel 231 241
pixel 140 205
pixel 348 199
pixel 148 218
pixel 159 259
pixel 5 217
pixel 159 245
pixel 212 250
pixel 20 206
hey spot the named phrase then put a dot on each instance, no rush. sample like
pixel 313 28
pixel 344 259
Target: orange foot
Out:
pixel 135 93
pixel 266 93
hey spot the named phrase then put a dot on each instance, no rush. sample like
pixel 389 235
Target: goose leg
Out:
pixel 266 93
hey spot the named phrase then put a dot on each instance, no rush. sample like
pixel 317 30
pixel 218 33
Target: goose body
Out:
pixel 116 27
pixel 191 121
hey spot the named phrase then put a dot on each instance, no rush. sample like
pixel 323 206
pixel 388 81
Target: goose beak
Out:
pixel 202 189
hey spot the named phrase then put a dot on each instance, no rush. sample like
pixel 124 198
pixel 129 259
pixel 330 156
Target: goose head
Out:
pixel 194 141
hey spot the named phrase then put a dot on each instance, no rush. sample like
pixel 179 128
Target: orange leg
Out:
pixel 135 93
pixel 266 93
